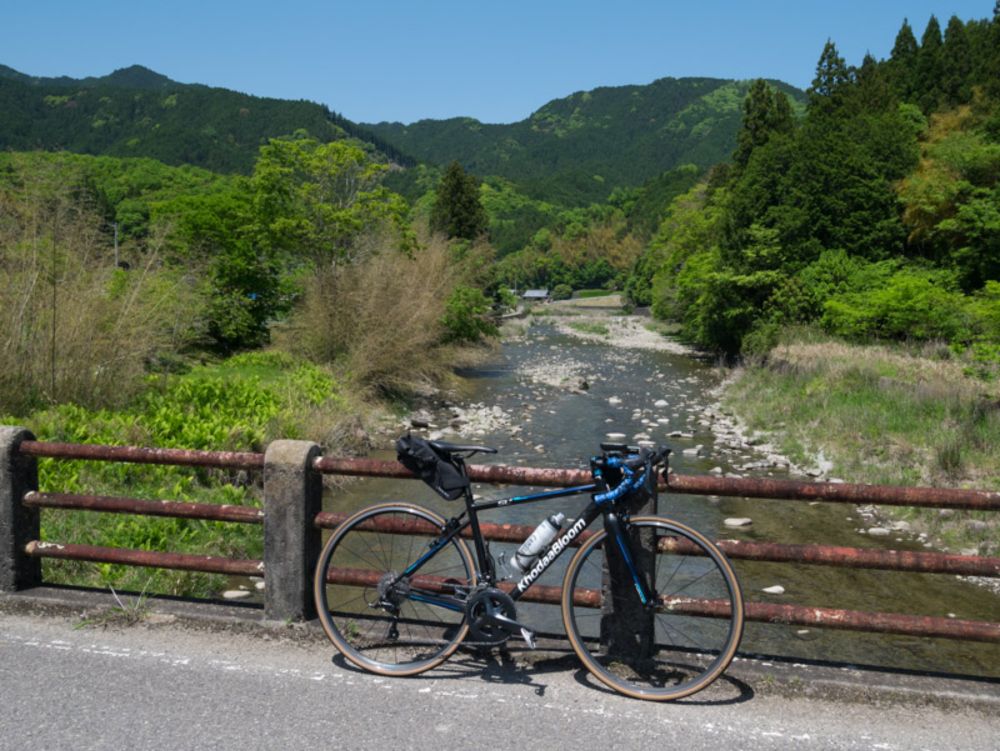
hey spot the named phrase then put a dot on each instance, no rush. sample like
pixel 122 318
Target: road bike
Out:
pixel 652 607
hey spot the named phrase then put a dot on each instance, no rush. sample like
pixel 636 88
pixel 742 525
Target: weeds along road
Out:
pixel 168 687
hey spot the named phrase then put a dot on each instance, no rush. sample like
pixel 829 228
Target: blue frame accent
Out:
pixel 636 582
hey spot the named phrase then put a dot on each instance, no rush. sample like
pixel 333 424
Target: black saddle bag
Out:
pixel 435 468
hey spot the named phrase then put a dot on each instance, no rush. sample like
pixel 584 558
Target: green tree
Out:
pixel 873 91
pixel 830 85
pixel 956 63
pixel 765 112
pixel 314 200
pixel 902 63
pixel 457 211
pixel 929 72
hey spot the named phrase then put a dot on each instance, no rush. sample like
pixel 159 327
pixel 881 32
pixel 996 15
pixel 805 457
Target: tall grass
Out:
pixel 882 415
pixel 73 327
pixel 379 319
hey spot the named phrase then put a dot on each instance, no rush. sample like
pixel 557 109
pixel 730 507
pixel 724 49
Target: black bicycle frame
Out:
pixel 487 572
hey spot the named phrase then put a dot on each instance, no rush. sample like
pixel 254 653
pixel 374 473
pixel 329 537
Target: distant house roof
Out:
pixel 535 294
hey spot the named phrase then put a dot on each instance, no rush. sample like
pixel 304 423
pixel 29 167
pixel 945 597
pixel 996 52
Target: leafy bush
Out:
pixel 467 316
pixel 562 292
pixel 240 404
pixel 913 304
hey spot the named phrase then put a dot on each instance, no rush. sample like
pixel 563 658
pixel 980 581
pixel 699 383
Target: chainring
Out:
pixel 489 601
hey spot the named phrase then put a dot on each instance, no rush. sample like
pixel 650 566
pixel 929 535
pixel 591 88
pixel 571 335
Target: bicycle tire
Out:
pixel 696 629
pixel 354 567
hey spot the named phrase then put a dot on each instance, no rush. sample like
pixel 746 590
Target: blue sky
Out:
pixel 498 62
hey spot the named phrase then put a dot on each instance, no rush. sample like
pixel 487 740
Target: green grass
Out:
pixel 884 416
pixel 543 311
pixel 583 294
pixel 239 405
pixel 666 328
pixel 590 328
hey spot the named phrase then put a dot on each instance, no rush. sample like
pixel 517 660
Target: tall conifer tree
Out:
pixel 832 80
pixel 457 210
pixel 765 112
pixel 956 63
pixel 903 61
pixel 928 83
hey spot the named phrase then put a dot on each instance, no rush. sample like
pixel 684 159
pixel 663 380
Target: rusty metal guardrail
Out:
pixel 913 561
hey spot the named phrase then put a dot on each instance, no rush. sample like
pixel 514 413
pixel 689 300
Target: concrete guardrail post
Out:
pixel 18 524
pixel 293 495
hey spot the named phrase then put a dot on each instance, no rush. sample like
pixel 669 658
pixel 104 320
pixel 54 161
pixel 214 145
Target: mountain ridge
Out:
pixel 578 148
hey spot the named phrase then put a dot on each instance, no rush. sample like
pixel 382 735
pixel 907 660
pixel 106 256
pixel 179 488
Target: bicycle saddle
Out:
pixel 454 448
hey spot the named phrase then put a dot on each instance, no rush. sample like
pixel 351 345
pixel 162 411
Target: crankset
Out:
pixel 492 618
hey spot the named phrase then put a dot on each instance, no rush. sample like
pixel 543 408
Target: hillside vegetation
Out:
pixel 875 216
pixel 135 112
pixel 577 150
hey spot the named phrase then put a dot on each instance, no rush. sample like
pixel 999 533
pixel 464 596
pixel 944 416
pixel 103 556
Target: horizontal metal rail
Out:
pixel 175 509
pixel 795 615
pixel 148 558
pixel 836 492
pixel 826 555
pixel 141 455
pixel 502 474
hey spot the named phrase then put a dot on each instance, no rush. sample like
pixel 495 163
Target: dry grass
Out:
pixel 73 328
pixel 378 319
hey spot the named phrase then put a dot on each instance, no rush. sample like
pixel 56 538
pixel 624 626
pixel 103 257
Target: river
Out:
pixel 551 394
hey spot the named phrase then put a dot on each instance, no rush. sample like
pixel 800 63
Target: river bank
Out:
pixel 880 415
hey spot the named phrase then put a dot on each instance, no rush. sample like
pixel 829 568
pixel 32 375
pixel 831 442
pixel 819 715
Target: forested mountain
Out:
pixel 138 112
pixel 576 150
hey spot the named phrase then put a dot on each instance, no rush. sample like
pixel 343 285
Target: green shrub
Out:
pixel 467 315
pixel 562 292
pixel 912 304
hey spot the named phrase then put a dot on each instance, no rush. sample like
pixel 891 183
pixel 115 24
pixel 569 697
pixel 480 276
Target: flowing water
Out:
pixel 549 398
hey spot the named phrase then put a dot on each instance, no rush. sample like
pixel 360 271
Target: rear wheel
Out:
pixel 378 618
pixel 673 648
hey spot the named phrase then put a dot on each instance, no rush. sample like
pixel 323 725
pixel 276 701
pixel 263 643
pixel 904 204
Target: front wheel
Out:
pixel 676 645
pixel 380 618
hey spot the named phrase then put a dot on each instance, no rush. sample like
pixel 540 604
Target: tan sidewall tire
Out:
pixel 319 585
pixel 584 655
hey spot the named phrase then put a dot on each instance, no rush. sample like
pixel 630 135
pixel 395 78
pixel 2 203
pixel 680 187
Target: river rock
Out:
pixel 776 589
pixel 661 403
pixel 738 521
pixel 614 400
pixel 879 532
pixel 235 594
pixel 615 437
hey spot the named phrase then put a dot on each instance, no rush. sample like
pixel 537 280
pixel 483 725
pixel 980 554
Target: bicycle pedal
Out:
pixel 529 637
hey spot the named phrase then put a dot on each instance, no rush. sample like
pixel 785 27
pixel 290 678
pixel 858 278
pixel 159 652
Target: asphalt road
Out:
pixel 167 687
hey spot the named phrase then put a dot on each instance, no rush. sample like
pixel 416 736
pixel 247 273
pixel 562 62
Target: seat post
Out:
pixel 486 568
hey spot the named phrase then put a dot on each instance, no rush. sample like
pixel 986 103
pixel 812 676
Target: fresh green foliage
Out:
pixel 562 292
pixel 313 200
pixel 239 404
pixel 467 315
